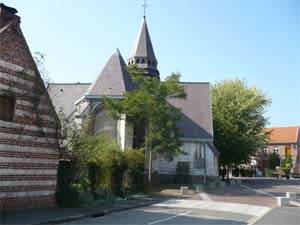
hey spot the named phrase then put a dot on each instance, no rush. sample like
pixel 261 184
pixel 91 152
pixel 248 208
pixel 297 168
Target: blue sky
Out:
pixel 205 40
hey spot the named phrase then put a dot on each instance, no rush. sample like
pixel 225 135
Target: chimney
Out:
pixel 7 14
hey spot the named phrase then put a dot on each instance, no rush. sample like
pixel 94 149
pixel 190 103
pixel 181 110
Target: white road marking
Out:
pixel 205 197
pixel 169 218
pixel 258 191
pixel 254 219
pixel 218 206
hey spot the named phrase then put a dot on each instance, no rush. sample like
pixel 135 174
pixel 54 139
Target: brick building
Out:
pixel 28 123
pixel 285 141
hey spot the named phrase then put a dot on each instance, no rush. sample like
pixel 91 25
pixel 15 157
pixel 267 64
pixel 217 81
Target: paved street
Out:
pixel 168 215
pixel 254 202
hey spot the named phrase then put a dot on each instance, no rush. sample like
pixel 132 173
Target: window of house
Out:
pixel 199 157
pixel 266 151
pixel 276 150
pixel 7 108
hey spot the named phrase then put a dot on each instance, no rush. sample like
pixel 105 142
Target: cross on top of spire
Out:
pixel 145 6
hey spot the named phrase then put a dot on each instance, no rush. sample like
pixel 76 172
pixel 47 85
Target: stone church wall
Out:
pixel 166 170
pixel 28 139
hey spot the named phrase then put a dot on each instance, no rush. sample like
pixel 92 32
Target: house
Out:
pixel 284 141
pixel 28 124
pixel 78 100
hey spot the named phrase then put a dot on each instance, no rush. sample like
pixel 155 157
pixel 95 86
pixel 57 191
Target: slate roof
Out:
pixel 113 80
pixel 196 112
pixel 281 135
pixel 64 95
pixel 143 45
pixel 142 53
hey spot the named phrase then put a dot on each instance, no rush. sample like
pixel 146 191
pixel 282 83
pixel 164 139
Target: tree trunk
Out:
pixel 150 169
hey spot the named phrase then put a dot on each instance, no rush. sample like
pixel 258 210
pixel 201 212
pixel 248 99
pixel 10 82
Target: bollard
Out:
pixel 184 191
pixel 292 196
pixel 282 201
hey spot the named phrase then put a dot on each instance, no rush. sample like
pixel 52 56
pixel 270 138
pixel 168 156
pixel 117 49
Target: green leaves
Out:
pixel 238 120
pixel 148 106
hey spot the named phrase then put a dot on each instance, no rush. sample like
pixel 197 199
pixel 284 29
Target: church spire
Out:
pixel 142 53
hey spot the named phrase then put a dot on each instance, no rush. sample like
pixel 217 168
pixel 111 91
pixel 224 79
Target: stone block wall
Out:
pixel 167 169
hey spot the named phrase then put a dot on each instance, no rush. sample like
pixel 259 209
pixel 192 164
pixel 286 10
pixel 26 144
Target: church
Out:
pixel 77 101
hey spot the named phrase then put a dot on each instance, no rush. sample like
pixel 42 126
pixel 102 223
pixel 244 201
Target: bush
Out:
pixel 66 194
pixel 273 161
pixel 236 172
pixel 183 172
pixel 134 175
pixel 94 175
pixel 269 172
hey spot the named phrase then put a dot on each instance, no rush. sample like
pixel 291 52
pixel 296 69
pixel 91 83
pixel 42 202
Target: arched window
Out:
pixel 153 63
pixel 199 156
pixel 143 60
pixel 137 61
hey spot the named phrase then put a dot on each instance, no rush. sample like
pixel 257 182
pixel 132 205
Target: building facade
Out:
pixel 284 141
pixel 78 101
pixel 28 124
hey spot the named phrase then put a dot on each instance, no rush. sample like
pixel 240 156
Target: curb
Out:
pixel 96 214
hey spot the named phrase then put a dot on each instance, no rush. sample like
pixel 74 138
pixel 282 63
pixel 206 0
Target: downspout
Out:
pixel 204 180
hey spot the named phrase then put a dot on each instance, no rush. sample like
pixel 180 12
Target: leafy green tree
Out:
pixel 273 161
pixel 238 120
pixel 148 107
pixel 286 166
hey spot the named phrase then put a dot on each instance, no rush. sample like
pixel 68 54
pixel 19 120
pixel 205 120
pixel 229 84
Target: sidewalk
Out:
pixel 59 215
pixel 280 216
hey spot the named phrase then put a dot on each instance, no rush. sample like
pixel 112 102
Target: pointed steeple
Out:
pixel 113 80
pixel 142 53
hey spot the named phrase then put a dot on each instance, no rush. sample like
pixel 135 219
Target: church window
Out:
pixel 143 60
pixel 7 108
pixel 137 61
pixel 199 157
pixel 153 63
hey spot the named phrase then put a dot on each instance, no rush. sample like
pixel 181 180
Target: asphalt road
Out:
pixel 161 215
pixel 253 203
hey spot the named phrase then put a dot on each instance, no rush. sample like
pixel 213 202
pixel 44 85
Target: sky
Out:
pixel 204 40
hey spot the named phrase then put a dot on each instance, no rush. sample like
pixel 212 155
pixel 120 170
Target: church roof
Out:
pixel 196 123
pixel 143 45
pixel 142 53
pixel 113 80
pixel 64 95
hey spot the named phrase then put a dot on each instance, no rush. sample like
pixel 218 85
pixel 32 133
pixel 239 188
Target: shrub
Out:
pixel 269 172
pixel 236 172
pixel 94 175
pixel 66 194
pixel 273 161
pixel 134 175
pixel 183 171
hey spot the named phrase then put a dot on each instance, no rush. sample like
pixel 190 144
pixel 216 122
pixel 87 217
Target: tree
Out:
pixel 286 166
pixel 273 161
pixel 39 59
pixel 148 107
pixel 238 120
